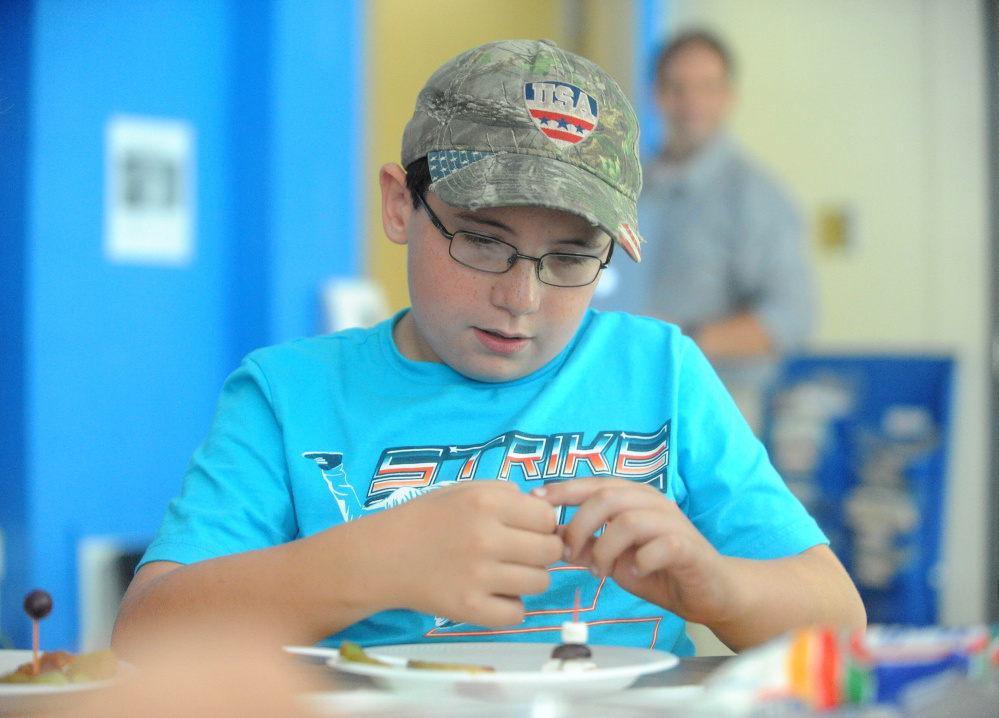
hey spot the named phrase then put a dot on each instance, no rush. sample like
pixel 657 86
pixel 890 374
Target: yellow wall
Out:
pixel 878 107
pixel 407 41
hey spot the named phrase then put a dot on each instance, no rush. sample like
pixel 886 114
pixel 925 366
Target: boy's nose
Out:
pixel 519 289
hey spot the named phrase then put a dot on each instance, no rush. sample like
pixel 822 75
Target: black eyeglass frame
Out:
pixel 449 236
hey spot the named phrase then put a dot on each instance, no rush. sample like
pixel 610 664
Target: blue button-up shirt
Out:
pixel 722 237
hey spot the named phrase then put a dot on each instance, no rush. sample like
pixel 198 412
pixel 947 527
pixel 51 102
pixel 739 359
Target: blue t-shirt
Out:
pixel 319 431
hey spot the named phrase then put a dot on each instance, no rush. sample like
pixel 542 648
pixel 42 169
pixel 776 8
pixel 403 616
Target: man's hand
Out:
pixel 736 337
pixel 468 552
pixel 648 546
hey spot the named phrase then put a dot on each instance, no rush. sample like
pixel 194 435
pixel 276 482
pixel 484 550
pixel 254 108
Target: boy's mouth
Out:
pixel 499 342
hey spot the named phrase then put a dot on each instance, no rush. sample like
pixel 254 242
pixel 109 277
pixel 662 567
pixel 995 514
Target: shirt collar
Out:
pixel 698 171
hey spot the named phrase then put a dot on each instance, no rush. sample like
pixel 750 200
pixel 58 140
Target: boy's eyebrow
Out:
pixel 591 242
pixel 585 242
pixel 473 216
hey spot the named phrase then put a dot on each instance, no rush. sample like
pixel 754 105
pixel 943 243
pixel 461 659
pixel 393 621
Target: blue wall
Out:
pixel 119 366
pixel 652 33
pixel 15 52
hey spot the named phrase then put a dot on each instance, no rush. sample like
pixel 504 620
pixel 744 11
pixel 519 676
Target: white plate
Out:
pixel 517 668
pixel 24 697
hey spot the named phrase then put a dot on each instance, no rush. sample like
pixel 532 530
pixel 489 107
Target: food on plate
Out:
pixel 60 668
pixel 573 654
pixel 434 666
pixel 350 651
pixel 37 604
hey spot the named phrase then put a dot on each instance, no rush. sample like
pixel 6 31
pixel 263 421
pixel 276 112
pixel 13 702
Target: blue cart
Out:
pixel 862 441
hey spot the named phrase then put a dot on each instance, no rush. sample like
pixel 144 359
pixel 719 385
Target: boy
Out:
pixel 340 493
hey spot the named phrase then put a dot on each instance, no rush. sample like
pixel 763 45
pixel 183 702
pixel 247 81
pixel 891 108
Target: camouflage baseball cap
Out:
pixel 524 123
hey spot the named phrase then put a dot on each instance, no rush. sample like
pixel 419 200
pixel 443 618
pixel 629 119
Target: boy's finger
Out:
pixel 495 612
pixel 620 535
pixel 603 505
pixel 513 580
pixel 582 556
pixel 504 500
pixel 568 493
pixel 530 513
pixel 529 548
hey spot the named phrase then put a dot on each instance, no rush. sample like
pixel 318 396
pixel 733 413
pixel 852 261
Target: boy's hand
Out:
pixel 649 547
pixel 469 552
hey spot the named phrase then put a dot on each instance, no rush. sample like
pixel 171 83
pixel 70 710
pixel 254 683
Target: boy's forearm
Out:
pixel 811 588
pixel 305 590
pixel 467 551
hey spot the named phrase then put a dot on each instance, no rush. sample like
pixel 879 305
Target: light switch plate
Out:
pixel 149 204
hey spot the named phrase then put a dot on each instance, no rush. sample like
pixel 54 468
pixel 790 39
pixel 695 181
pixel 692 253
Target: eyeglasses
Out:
pixel 488 254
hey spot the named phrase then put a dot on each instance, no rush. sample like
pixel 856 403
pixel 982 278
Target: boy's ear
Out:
pixel 397 205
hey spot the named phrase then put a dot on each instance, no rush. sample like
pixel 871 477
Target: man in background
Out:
pixel 727 259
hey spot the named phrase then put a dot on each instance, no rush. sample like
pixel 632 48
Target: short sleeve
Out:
pixel 236 494
pixel 731 491
pixel 775 263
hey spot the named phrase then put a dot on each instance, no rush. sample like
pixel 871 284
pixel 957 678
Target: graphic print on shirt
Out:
pixel 331 464
pixel 402 473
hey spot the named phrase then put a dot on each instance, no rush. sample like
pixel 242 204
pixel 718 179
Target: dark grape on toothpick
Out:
pixel 37 604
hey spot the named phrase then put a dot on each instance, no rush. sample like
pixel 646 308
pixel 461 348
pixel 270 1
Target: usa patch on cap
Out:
pixel 562 111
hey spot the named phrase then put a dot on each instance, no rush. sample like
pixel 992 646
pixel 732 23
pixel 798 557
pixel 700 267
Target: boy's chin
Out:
pixel 494 378
pixel 497 372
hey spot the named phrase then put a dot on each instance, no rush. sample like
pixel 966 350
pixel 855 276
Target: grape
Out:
pixel 568 651
pixel 37 604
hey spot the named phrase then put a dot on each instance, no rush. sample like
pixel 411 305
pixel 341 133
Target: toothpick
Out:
pixel 36 664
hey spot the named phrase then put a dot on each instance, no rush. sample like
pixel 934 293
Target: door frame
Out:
pixel 991 12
